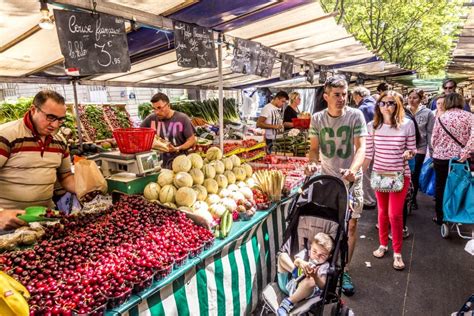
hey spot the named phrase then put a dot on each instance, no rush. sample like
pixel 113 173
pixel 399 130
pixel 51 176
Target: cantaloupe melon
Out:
pixel 167 193
pixel 185 197
pixel 181 163
pixel 230 177
pixel 211 186
pixel 235 160
pixel 214 153
pixel 197 175
pixel 219 166
pixel 200 191
pixel 152 191
pixel 228 165
pixel 209 171
pixel 240 173
pixel 165 177
pixel 221 181
pixel 248 169
pixel 196 160
pixel 183 179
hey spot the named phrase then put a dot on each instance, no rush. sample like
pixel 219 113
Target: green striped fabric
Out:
pixel 229 282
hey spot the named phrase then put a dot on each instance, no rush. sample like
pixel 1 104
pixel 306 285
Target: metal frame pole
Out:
pixel 221 93
pixel 76 110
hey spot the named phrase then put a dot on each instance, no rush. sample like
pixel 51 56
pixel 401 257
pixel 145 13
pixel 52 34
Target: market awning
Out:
pixel 297 27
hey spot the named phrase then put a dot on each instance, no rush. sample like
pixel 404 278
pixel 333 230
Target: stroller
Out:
pixel 321 206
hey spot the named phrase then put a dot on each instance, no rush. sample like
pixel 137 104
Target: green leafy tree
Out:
pixel 416 34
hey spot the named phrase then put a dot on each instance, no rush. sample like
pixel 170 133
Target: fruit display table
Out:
pixel 223 280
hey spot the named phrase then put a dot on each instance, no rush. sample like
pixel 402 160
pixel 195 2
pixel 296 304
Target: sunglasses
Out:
pixel 52 118
pixel 449 87
pixel 386 103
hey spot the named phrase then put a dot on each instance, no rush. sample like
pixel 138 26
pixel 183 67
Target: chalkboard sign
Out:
pixel 246 55
pixel 92 43
pixel 323 74
pixel 194 46
pixel 266 60
pixel 309 72
pixel 287 62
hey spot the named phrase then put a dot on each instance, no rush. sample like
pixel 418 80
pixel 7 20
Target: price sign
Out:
pixel 194 46
pixel 287 62
pixel 246 54
pixel 92 43
pixel 266 60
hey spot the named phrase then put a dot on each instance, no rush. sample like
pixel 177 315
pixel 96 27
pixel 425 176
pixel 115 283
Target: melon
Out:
pixel 209 171
pixel 185 197
pixel 196 160
pixel 230 177
pixel 211 186
pixel 183 179
pixel 185 209
pixel 201 192
pixel 214 153
pixel 197 175
pixel 228 165
pixel 200 206
pixel 217 210
pixel 165 177
pixel 170 205
pixel 221 181
pixel 247 192
pixel 212 199
pixel 248 169
pixel 224 193
pixel 152 191
pixel 219 166
pixel 167 193
pixel 235 160
pixel 240 174
pixel 181 163
pixel 233 187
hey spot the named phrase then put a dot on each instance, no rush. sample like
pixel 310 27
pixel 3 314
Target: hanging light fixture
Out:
pixel 45 22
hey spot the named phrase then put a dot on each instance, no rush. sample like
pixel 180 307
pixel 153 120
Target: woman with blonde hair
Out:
pixel 390 144
pixel 291 111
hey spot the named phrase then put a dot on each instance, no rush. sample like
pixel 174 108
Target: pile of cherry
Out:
pixel 91 262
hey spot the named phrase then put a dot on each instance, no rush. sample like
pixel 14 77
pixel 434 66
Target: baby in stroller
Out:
pixel 305 276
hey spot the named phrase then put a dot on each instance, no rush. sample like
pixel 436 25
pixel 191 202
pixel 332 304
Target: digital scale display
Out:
pixel 148 162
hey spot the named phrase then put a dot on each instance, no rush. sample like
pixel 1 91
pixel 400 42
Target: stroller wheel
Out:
pixel 343 310
pixel 444 230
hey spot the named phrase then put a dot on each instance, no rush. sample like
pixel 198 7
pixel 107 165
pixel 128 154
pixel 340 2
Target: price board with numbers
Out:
pixel 194 46
pixel 92 43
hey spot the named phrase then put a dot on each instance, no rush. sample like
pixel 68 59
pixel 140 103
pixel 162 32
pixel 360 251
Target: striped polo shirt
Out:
pixel 29 166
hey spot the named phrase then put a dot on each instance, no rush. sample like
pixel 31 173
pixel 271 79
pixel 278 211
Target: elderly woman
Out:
pixel 439 106
pixel 291 110
pixel 453 136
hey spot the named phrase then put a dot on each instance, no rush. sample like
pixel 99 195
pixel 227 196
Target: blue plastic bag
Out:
pixel 458 204
pixel 428 178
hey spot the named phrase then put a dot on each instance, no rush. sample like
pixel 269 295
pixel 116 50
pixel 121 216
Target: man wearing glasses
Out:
pixel 32 158
pixel 174 126
pixel 449 86
pixel 337 137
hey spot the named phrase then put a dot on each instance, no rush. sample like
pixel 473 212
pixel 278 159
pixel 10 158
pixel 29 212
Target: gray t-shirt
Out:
pixel 176 130
pixel 336 138
pixel 304 255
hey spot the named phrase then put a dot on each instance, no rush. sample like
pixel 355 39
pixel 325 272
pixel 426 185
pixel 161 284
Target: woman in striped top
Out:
pixel 390 144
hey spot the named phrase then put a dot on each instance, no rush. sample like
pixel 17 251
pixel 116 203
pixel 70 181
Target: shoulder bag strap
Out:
pixel 450 135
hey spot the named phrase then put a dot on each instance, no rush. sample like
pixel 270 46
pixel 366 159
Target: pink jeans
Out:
pixel 390 207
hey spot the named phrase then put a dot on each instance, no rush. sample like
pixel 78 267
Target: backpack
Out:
pixel 410 116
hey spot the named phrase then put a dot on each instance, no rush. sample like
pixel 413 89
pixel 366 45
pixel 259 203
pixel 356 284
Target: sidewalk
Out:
pixel 438 278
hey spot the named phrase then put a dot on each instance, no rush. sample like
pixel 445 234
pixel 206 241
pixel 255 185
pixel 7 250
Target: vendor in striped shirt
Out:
pixel 32 158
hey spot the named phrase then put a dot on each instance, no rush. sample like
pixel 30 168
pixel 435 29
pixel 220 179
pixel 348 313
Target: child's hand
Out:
pixel 307 267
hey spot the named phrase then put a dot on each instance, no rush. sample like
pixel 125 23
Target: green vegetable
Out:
pixel 144 110
pixel 14 111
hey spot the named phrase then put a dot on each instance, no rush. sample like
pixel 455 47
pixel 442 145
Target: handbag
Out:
pixel 428 178
pixel 387 181
pixel 458 197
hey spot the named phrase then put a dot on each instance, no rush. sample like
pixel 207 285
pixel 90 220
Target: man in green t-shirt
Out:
pixel 338 148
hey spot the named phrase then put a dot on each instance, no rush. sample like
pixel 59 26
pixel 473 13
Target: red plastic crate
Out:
pixel 134 140
pixel 301 123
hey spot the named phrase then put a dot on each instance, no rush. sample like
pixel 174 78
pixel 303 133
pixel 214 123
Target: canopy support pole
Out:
pixel 76 110
pixel 221 93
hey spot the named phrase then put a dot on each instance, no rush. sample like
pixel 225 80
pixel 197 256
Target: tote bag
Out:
pixel 458 202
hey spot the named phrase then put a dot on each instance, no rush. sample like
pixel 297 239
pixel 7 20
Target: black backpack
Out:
pixel 410 116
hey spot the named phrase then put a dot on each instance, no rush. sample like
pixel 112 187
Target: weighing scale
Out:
pixel 129 173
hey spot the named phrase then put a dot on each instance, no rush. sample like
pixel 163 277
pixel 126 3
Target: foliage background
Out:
pixel 416 34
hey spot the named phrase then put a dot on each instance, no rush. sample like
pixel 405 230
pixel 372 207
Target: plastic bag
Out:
pixel 458 203
pixel 428 178
pixel 89 180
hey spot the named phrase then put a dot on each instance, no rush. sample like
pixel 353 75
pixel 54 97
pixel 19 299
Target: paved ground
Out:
pixel 438 278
